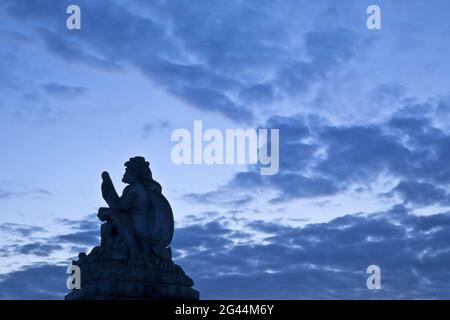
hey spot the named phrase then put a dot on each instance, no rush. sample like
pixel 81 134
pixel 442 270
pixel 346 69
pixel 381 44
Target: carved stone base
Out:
pixel 107 278
pixel 126 290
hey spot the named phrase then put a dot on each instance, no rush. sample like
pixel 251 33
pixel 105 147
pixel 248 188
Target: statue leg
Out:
pixel 147 250
pixel 107 234
pixel 122 223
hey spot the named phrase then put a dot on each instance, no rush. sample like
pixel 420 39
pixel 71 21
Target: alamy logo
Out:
pixel 374 20
pixel 73 21
pixel 236 146
pixel 374 280
pixel 74 279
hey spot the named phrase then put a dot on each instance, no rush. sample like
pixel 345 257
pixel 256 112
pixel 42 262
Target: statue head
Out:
pixel 137 169
pixel 130 176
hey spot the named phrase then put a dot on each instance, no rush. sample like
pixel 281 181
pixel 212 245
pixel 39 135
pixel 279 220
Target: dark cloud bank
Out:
pixel 409 149
pixel 325 261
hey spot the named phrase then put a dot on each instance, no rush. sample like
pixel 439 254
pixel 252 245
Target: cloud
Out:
pixel 85 232
pixel 66 48
pixel 305 187
pixel 219 196
pixel 326 260
pixel 150 127
pixel 263 259
pixel 210 100
pixel 22 192
pixel 15 36
pixel 5 194
pixel 38 281
pixel 326 50
pixel 23 230
pixel 202 54
pixel 88 223
pixel 39 249
pixel 22 239
pixel 63 91
pixel 318 159
pixel 91 237
pixel 422 193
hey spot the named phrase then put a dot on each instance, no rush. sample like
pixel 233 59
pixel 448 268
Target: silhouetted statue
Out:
pixel 134 259
pixel 141 216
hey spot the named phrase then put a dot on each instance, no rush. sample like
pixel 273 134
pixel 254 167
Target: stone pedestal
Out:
pixel 119 278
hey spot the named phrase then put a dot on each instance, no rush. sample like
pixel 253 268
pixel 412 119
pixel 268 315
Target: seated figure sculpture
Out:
pixel 141 216
pixel 134 259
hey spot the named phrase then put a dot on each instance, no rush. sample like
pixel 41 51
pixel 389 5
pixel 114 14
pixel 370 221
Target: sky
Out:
pixel 363 116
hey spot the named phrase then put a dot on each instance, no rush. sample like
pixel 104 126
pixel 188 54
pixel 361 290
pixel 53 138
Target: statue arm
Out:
pixel 109 192
pixel 116 204
pixel 127 200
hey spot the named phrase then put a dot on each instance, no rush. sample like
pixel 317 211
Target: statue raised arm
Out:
pixel 109 193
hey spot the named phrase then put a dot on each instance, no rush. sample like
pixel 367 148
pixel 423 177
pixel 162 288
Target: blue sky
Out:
pixel 364 140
